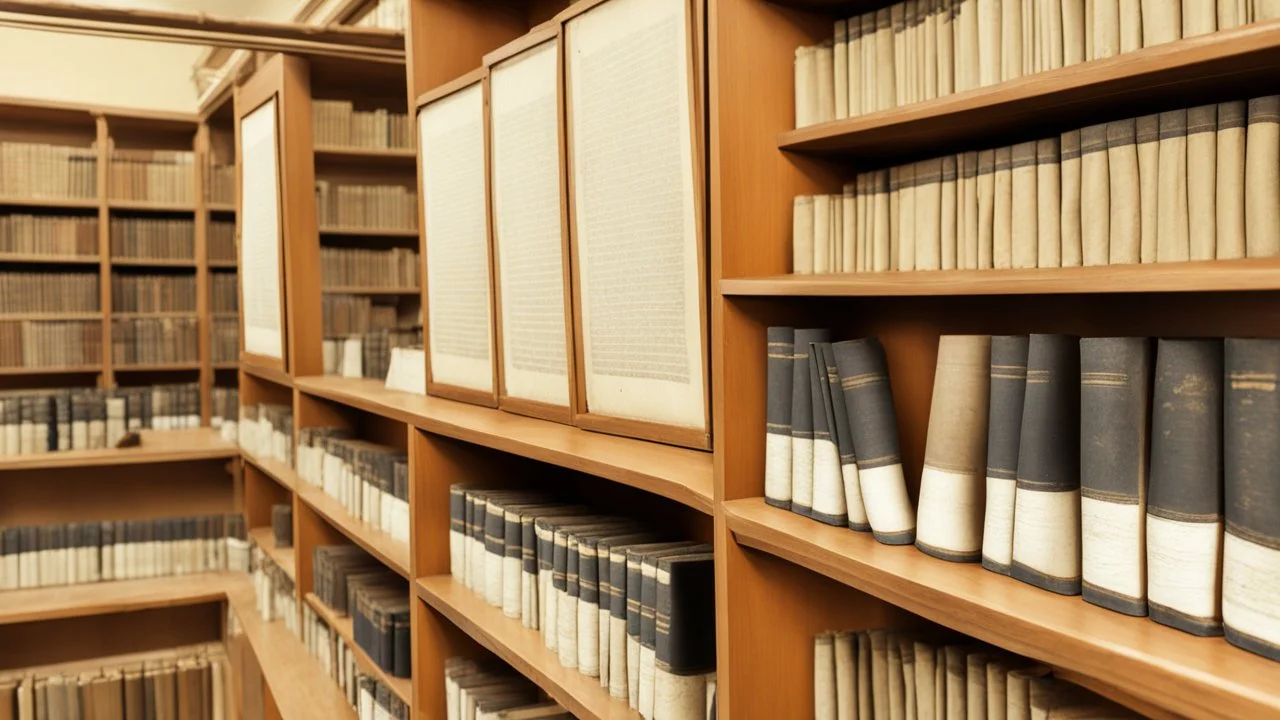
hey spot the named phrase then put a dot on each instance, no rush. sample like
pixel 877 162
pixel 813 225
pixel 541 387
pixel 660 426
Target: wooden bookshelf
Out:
pixel 389 551
pixel 18 317
pixel 153 262
pixel 158 367
pixel 220 207
pixel 341 290
pixel 40 604
pixel 281 556
pixel 150 206
pixel 274 469
pixel 521 648
pixel 51 203
pixel 49 259
pixel 268 374
pixel 370 232
pixel 158 446
pixel 401 158
pixel 342 624
pixel 57 370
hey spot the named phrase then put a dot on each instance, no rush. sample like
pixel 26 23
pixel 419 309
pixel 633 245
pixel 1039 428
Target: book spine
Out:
pixel 1025 223
pixel 802 421
pixel 1184 507
pixel 1046 519
pixel 1095 208
pixel 1173 243
pixel 777 439
pixel 1251 548
pixel 949 521
pixel 864 378
pixel 839 421
pixel 1008 383
pixel 1125 210
pixel 1262 178
pixel 828 481
pixel 1115 404
pixel 1202 151
pixel 1070 189
pixel 1229 179
pixel 1048 202
pixel 928 223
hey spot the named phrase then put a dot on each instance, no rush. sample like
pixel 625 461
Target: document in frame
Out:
pixel 260 239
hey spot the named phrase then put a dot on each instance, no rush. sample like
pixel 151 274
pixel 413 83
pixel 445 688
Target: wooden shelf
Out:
pixel 269 374
pixel 223 264
pixel 1187 72
pixel 220 207
pixel 224 314
pixel 370 291
pixel 18 317
pixel 1198 677
pixel 522 648
pixel 381 158
pixel 49 259
pixel 389 551
pixel 36 202
pixel 158 446
pixel 157 314
pixel 680 474
pixel 266 539
pixel 63 370
pixel 149 206
pixel 158 367
pixel 152 262
pixel 402 687
pixel 229 365
pixel 1207 276
pixel 370 232
pixel 274 469
pixel 21 606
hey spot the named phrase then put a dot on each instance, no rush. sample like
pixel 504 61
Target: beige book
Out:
pixel 1002 221
pixel 907 217
pixel 997 696
pixel 925 658
pixel 1010 40
pixel 881 239
pixel 1229 185
pixel 1202 167
pixel 1030 42
pixel 1126 213
pixel 837 233
pixel 1106 29
pixel 824 677
pixel 1095 197
pixel 1172 242
pixel 976 685
pixel 966 45
pixel 846 652
pixel 946 47
pixel 898 16
pixel 963 210
pixel 1025 222
pixel 929 40
pixel 866 705
pixel 925 33
pixel 1262 178
pixel 870 70
pixel 1073 32
pixel 1018 691
pixel 1048 203
pixel 989 46
pixel 880 673
pixel 947 212
pixel 822 234
pixel 806 73
pixel 895 217
pixel 977 247
pixel 940 682
pixel 802 237
pixel 897 691
pixel 910 35
pixel 1088 29
pixel 1231 14
pixel 907 650
pixel 862 211
pixel 824 82
pixel 1199 17
pixel 1070 191
pixel 853 65
pixel 886 90
pixel 840 69
pixel 1161 21
pixel 1264 10
pixel 928 224
pixel 848 214
pixel 957 681
pixel 1130 26
pixel 1053 34
pixel 1148 138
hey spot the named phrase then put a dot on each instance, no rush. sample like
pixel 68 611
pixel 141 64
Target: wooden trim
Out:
pixel 204 341
pixel 644 430
pixel 528 41
pixel 9 101
pixel 108 378
pixel 158 446
pixel 451 87
pixel 535 409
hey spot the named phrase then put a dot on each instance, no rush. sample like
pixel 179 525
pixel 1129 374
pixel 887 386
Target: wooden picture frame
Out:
pixel 477 79
pixel 584 415
pixel 536 39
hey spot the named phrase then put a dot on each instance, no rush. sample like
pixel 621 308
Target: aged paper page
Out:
pixel 637 236
pixel 527 232
pixel 260 234
pixel 461 338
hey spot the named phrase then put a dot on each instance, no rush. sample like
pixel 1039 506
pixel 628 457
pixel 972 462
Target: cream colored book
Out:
pixel 1229 184
pixel 1010 40
pixel 925 659
pixel 997 682
pixel 806 78
pixel 880 227
pixel 1172 241
pixel 822 234
pixel 1048 203
pixel 824 677
pixel 963 211
pixel 846 652
pixel 840 69
pixel 898 18
pixel 928 225
pixel 1262 178
pixel 950 185
pixel 1088 29
pixel 895 217
pixel 956 681
pixel 930 41
pixel 976 685
pixel 1148 139
pixel 921 38
pixel 946 47
pixel 1202 166
pixel 837 240
pixel 866 707
pixel 1232 13
pixel 1264 10
pixel 897 691
pixel 910 31
pixel 1130 26
pixel 1018 691
pixel 1030 61
pixel 1095 208
pixel 907 651
pixel 1126 213
pixel 853 66
pixel 886 90
pixel 989 45
pixel 1161 21
pixel 1073 32
pixel 870 68
pixel 1002 225
pixel 824 82
pixel 848 228
pixel 1070 191
pixel 862 228
pixel 802 238
pixel 966 46
pixel 1053 34
pixel 977 247
pixel 880 673
pixel 1106 28
pixel 907 217
pixel 1199 17
pixel 1025 223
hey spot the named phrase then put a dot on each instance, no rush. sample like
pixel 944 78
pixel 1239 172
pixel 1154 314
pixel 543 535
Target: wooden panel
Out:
pixel 310 530
pixel 261 492
pixel 448 38
pixel 25 606
pixel 157 447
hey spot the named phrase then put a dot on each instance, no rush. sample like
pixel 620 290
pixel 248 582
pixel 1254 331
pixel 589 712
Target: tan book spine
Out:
pixel 928 222
pixel 806 90
pixel 1048 203
pixel 907 217
pixel 923 36
pixel 870 66
pixel 1148 139
pixel 930 42
pixel 822 234
pixel 1230 14
pixel 1161 21
pixel 977 247
pixel 846 657
pixel 946 47
pixel 881 231
pixel 1025 221
pixel 848 228
pixel 840 69
pixel 1073 32
pixel 1172 241
pixel 1088 29
pixel 1002 223
pixel 1010 40
pixel 989 45
pixel 1106 29
pixel 1095 212
pixel 1264 10
pixel 864 207
pixel 880 673
pixel 957 682
pixel 1202 165
pixel 1054 32
pixel 1262 178
pixel 1126 212
pixel 853 67
pixel 824 677
pixel 866 705
pixel 910 34
pixel 895 217
pixel 824 82
pixel 1130 25
pixel 886 88
pixel 898 17
pixel 1199 17
pixel 1070 190
pixel 1229 184
pixel 1029 42
pixel 950 248
pixel 925 658
pixel 966 42
pixel 802 235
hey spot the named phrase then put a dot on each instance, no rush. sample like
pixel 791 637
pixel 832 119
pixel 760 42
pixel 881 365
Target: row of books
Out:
pixel 74 553
pixel 368 354
pixel 919 50
pixel 192 684
pixel 1197 184
pixel 161 176
pixel 370 480
pixel 54 235
pixel 368 207
pixel 343 315
pixel 884 673
pixel 351 582
pixel 371 699
pixel 222 240
pixel 154 341
pixel 336 123
pixel 153 238
pixel 49 292
pixel 225 413
pixel 224 293
pixel 39 170
pixel 387 14
pixel 266 430
pixel 274 590
pixel 219 183
pixel 282 524
pixel 366 268
pixel 153 293
pixel 50 343
pixel 224 340
pixel 606 593
pixel 40 421
pixel 479 689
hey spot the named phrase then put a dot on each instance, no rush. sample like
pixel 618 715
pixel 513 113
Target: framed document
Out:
pixel 262 293
pixel 528 211
pixel 637 228
pixel 458 322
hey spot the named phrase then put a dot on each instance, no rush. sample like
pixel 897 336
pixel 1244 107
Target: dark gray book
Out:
pixel 839 423
pixel 1115 414
pixel 686 639
pixel 828 485
pixel 1004 430
pixel 864 378
pixel 802 421
pixel 1184 507
pixel 777 447
pixel 1251 549
pixel 1046 516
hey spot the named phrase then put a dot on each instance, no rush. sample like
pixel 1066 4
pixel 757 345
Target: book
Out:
pixel 1046 520
pixel 42 170
pixel 906 217
pixel 864 378
pixel 1095 208
pixel 806 86
pixel 1070 194
pixel 1229 179
pixel 802 437
pixel 828 466
pixel 948 209
pixel 1147 135
pixel 685 654
pixel 950 518
pixel 1184 505
pixel 845 665
pixel 1123 181
pixel 928 207
pixel 1115 387
pixel 1202 151
pixel 1002 208
pixel 1161 22
pixel 1199 17
pixel 1249 554
pixel 1173 242
pixel 1262 177
pixel 158 176
pixel 989 42
pixel 1008 383
pixel 838 421
pixel 1048 203
pixel 977 201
